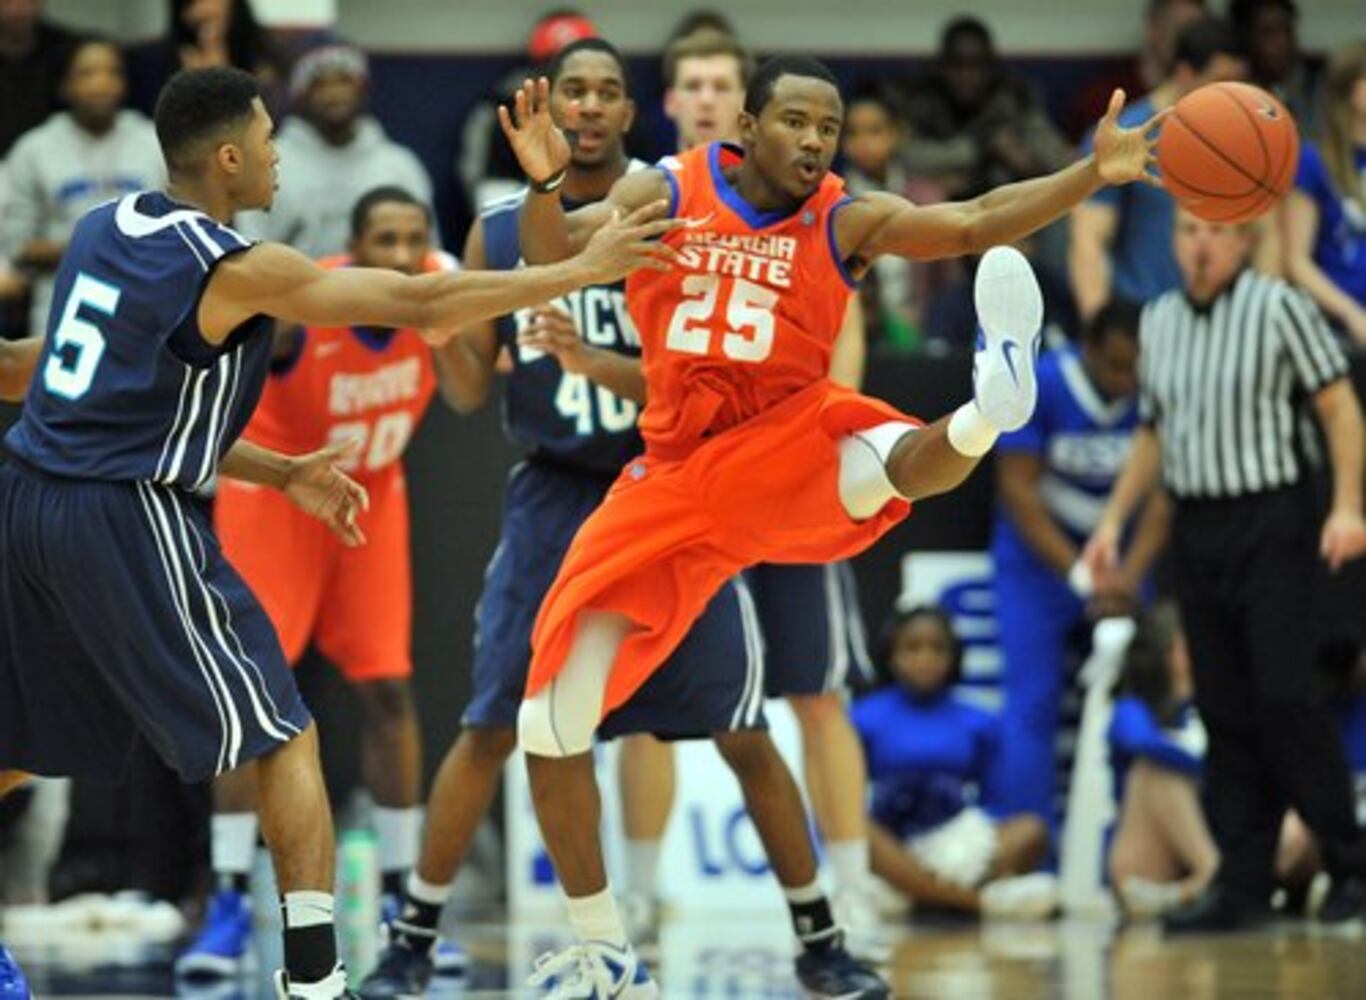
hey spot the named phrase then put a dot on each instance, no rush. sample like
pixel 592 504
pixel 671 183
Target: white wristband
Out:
pixel 1080 580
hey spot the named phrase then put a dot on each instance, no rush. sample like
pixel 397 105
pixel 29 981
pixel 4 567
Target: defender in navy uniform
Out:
pixel 118 613
pixel 574 416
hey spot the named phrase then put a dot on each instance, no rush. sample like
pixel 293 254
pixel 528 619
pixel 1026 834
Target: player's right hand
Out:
pixel 541 148
pixel 624 244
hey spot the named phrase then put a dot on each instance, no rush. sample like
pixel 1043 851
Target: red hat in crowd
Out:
pixel 554 32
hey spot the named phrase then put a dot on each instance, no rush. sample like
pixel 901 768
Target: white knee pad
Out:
pixel 561 718
pixel 864 485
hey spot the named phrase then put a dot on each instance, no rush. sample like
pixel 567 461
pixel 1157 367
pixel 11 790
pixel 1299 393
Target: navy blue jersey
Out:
pixel 554 414
pixel 127 389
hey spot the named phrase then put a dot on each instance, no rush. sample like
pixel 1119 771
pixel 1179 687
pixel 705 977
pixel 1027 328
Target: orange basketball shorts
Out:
pixel 671 531
pixel 354 604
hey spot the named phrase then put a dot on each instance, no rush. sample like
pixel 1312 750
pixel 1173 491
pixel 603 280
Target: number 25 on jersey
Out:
pixel 748 309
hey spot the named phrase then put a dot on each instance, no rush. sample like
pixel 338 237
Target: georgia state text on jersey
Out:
pixel 346 383
pixel 554 414
pixel 127 388
pixel 750 312
pixel 1082 441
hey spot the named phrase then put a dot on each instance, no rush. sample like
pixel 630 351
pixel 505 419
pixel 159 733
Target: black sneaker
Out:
pixel 1346 900
pixel 1218 909
pixel 834 973
pixel 401 973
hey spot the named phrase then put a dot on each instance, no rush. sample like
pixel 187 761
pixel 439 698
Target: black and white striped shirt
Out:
pixel 1222 384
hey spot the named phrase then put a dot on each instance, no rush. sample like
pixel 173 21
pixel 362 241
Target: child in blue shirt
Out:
pixel 930 754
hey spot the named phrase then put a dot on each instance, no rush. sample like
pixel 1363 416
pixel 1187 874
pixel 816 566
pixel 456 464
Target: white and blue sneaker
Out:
pixel 13 985
pixel 448 958
pixel 223 947
pixel 594 970
pixel 834 974
pixel 1009 318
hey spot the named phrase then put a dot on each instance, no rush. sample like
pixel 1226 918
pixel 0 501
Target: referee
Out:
pixel 1224 366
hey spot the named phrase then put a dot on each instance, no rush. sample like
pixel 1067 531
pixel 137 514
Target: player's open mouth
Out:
pixel 809 172
pixel 589 138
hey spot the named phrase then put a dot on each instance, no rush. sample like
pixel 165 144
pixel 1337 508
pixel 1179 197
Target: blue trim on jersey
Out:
pixel 849 279
pixel 674 193
pixel 754 217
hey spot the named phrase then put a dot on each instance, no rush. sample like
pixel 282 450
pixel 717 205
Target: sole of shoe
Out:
pixel 1009 308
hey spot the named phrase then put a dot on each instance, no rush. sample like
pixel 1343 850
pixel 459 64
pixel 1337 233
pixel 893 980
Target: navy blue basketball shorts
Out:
pixel 712 683
pixel 814 639
pixel 118 616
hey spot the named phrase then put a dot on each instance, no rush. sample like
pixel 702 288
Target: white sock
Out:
pixel 426 892
pixel 398 831
pixel 595 918
pixel 970 433
pixel 803 894
pixel 849 863
pixel 307 908
pixel 642 866
pixel 232 839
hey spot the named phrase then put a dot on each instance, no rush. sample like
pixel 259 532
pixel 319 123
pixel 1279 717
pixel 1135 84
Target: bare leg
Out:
pixel 1297 855
pixel 391 754
pixel 235 791
pixel 564 791
pixel 10 780
pixel 1162 834
pixel 836 776
pixel 923 463
pixel 648 780
pixel 774 804
pixel 1021 846
pixel 904 872
pixel 460 798
pixel 296 817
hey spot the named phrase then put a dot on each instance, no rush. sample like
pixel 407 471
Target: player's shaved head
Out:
pixel 557 66
pixel 198 110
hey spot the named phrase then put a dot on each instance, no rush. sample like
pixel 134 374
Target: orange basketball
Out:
pixel 1228 152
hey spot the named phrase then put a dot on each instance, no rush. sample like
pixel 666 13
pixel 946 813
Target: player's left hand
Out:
pixel 553 331
pixel 1122 154
pixel 1343 539
pixel 318 487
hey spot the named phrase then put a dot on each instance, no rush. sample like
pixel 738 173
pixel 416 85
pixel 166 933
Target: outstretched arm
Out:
pixel 880 223
pixel 18 359
pixel 314 482
pixel 278 281
pixel 546 231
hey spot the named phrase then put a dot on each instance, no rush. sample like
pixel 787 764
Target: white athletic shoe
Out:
pixel 640 919
pixel 331 988
pixel 594 970
pixel 1023 897
pixel 1144 899
pixel 865 935
pixel 1009 318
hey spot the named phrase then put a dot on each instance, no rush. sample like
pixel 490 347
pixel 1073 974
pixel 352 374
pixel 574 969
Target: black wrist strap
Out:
pixel 551 183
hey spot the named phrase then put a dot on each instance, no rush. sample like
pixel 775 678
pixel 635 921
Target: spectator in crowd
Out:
pixel 701 19
pixel 78 158
pixel 1324 218
pixel 331 153
pixel 1162 23
pixel 486 168
pixel 1121 237
pixel 704 86
pixel 1268 31
pixel 1163 854
pixel 930 759
pixel 894 291
pixel 33 54
pixel 973 126
pixel 206 33
pixel 1228 361
pixel 1052 478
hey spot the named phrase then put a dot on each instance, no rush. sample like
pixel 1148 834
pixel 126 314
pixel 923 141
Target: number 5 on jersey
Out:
pixel 749 319
pixel 78 345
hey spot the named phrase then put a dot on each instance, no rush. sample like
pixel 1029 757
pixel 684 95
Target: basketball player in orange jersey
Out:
pixel 368 386
pixel 18 358
pixel 813 632
pixel 752 454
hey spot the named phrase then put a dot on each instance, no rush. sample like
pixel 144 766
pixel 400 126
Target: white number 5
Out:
pixel 750 306
pixel 82 337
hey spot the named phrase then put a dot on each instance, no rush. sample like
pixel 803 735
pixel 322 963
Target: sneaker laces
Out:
pixel 573 971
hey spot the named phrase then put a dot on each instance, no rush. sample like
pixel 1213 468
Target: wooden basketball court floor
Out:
pixel 741 959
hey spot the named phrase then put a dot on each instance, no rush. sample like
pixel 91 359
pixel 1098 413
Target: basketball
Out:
pixel 1228 152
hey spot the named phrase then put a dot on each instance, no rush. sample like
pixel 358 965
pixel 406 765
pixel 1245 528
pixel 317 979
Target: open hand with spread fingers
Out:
pixel 541 148
pixel 1123 154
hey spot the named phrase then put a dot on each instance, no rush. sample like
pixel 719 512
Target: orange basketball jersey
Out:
pixel 370 386
pixel 749 315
